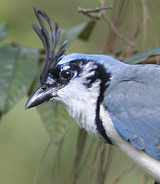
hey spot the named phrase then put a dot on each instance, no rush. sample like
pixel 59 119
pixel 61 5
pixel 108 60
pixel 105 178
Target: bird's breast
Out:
pixel 85 115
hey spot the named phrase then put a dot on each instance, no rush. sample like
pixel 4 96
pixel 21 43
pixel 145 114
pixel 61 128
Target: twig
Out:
pixel 41 162
pixel 108 163
pixel 144 179
pixel 96 161
pixel 98 13
pixel 81 168
pixel 57 162
pixel 146 17
pixel 123 174
pixel 94 13
pixel 115 30
pixel 80 148
pixel 86 11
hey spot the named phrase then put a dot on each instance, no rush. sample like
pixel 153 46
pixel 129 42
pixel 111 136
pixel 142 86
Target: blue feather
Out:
pixel 133 103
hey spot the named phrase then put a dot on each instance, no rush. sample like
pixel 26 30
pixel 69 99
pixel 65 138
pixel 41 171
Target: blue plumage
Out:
pixel 134 102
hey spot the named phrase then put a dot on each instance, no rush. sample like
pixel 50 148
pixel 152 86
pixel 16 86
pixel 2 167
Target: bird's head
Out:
pixel 65 77
pixel 79 81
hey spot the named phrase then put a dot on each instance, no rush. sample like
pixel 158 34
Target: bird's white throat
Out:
pixel 81 104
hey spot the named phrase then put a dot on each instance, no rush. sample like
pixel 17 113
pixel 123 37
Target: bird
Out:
pixel 116 102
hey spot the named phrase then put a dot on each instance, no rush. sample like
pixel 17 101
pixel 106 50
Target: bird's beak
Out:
pixel 40 95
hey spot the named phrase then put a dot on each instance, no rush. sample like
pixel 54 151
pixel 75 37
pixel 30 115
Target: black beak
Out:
pixel 40 95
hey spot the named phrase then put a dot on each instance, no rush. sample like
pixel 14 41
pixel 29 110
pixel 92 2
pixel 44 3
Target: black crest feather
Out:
pixel 51 57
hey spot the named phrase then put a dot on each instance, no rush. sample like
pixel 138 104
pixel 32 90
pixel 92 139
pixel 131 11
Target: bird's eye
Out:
pixel 67 74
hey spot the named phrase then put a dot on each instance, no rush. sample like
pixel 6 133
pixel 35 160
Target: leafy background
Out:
pixel 46 146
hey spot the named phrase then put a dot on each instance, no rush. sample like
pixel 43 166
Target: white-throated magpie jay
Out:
pixel 116 102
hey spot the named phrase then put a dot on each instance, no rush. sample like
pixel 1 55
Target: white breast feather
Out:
pixel 148 164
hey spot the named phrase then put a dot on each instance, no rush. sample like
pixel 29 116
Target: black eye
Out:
pixel 67 74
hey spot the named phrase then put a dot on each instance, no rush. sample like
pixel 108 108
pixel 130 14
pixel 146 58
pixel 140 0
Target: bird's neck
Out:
pixel 84 112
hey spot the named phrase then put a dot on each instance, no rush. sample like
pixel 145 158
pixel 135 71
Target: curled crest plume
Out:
pixel 52 58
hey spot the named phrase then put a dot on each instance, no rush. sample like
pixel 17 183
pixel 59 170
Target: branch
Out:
pixel 123 173
pixel 93 13
pixel 98 13
pixel 86 11
pixel 115 30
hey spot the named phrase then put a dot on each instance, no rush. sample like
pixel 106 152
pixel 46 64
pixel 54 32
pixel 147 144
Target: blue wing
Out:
pixel 134 107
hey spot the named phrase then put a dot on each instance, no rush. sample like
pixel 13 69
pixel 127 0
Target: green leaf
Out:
pixel 55 119
pixel 81 31
pixel 18 66
pixel 87 30
pixel 141 56
pixel 3 31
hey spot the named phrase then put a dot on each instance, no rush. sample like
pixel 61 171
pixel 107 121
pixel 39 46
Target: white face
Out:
pixel 80 99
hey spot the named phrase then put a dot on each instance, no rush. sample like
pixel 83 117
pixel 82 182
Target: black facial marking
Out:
pixel 62 74
pixel 100 127
pixel 77 64
pixel 91 79
pixel 105 78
